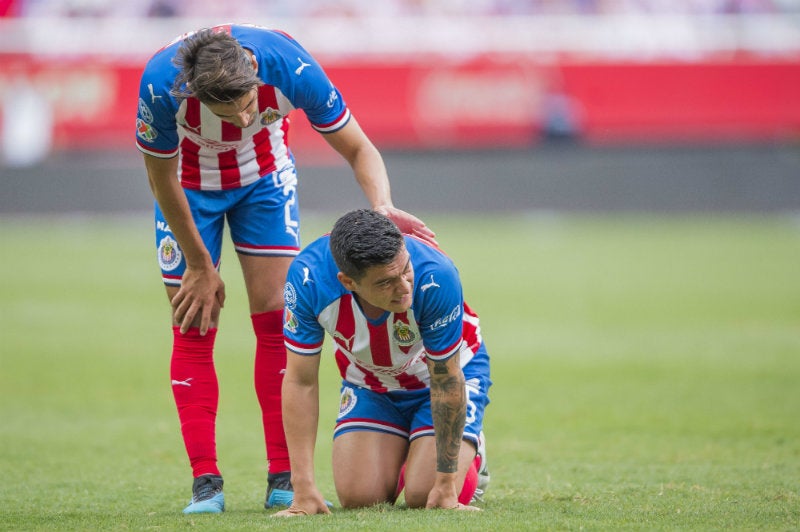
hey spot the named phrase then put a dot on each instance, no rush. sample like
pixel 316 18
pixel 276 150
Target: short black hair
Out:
pixel 364 238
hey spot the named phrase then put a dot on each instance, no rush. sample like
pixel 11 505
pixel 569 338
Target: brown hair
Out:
pixel 214 68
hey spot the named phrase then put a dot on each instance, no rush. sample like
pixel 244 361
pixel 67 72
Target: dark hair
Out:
pixel 214 68
pixel 363 238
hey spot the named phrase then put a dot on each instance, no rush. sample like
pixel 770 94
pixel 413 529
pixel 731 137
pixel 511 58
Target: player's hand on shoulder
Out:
pixel 409 224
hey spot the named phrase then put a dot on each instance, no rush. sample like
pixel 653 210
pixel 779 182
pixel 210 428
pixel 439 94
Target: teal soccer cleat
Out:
pixel 279 490
pixel 207 496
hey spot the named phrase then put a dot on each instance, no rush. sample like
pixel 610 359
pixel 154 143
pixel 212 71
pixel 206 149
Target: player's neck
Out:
pixel 370 311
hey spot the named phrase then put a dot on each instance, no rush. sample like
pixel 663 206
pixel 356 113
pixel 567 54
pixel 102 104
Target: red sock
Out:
pixel 470 482
pixel 196 392
pixel 401 482
pixel 269 369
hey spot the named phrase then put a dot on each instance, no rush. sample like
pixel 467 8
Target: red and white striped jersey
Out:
pixel 390 353
pixel 216 155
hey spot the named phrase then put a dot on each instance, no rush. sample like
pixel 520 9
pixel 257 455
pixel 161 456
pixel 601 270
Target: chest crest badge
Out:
pixel 403 334
pixel 269 116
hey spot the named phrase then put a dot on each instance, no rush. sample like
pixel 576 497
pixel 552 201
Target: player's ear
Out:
pixel 253 60
pixel 346 281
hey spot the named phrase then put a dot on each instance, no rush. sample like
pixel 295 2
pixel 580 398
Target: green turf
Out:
pixel 646 377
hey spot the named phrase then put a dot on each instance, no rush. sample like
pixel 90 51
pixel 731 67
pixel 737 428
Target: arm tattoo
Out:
pixel 439 368
pixel 449 409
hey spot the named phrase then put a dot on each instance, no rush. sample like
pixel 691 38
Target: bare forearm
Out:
pixel 366 162
pixel 448 408
pixel 370 173
pixel 301 416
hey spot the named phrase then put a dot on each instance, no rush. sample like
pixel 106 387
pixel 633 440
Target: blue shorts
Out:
pixel 263 219
pixel 408 413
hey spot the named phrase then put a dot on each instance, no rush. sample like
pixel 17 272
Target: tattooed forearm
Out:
pixel 449 408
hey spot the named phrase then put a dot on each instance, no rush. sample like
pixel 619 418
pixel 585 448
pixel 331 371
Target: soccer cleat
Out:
pixel 207 496
pixel 279 490
pixel 483 470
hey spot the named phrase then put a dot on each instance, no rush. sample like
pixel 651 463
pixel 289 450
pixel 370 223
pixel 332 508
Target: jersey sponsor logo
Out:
pixel 347 402
pixel 332 97
pixel 270 116
pixel 403 334
pixel 446 319
pixel 289 320
pixel 299 70
pixel 290 295
pixel 392 371
pixel 145 112
pixel 210 144
pixel 169 254
pixel 431 284
pixel 145 131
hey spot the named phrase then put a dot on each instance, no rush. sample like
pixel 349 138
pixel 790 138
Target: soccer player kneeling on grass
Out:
pixel 212 123
pixel 414 367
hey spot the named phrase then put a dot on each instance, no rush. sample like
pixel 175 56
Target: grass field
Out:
pixel 646 377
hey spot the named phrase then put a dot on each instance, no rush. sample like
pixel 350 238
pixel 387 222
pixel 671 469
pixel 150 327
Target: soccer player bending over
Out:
pixel 414 366
pixel 213 123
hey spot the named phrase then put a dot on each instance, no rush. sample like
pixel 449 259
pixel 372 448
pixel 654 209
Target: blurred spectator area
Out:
pixel 430 73
pixel 368 8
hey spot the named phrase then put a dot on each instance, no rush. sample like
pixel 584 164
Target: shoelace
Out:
pixel 280 482
pixel 205 491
